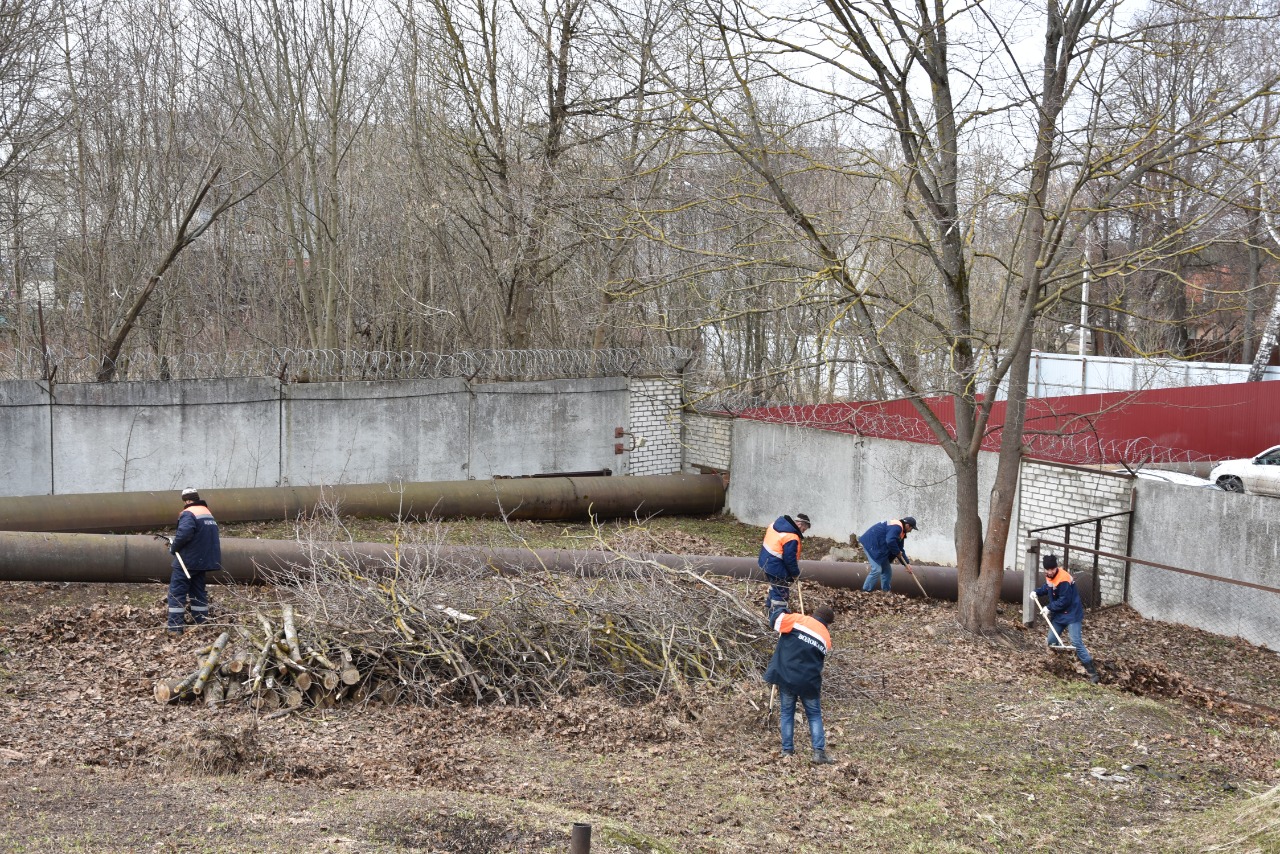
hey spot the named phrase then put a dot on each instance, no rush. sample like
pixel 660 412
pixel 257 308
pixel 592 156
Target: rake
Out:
pixel 1057 638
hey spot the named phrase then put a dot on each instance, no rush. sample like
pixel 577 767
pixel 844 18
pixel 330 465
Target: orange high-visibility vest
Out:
pixel 774 542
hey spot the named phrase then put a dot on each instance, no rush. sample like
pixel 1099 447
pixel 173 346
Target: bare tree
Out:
pixel 967 261
pixel 31 112
pixel 201 212
pixel 525 98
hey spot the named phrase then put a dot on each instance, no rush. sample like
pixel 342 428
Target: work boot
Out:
pixel 1092 670
pixel 820 757
pixel 787 754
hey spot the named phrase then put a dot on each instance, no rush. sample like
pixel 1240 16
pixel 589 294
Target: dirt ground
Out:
pixel 944 743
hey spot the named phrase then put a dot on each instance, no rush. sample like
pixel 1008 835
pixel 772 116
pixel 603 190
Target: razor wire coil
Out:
pixel 335 365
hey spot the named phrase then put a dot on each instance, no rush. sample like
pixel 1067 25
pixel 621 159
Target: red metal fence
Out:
pixel 1159 425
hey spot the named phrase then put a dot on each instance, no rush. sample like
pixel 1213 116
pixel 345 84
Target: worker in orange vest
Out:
pixel 780 557
pixel 796 669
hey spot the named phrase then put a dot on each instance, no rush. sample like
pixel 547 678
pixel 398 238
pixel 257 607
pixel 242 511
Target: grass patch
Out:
pixel 1250 825
pixel 719 534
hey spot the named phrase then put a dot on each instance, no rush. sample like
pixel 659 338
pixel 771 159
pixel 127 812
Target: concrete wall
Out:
pixel 375 432
pixel 1219 533
pixel 848 483
pixel 26 441
pixel 130 436
pixel 547 426
pixel 1050 494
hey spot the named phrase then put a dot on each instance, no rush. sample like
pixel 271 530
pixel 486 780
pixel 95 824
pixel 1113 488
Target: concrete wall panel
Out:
pixel 549 426
pixel 1220 533
pixel 848 483
pixel 375 432
pixel 141 436
pixel 26 455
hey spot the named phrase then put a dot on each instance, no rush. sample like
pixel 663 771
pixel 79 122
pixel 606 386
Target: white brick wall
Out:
pixel 708 442
pixel 1051 494
pixel 653 412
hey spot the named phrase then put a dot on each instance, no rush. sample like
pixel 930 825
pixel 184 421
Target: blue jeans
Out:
pixel 880 572
pixel 1071 630
pixel 787 721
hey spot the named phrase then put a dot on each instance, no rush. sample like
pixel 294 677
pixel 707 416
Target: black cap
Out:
pixel 911 520
pixel 804 517
pixel 1050 561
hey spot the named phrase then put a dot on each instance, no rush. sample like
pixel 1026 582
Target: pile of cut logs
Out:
pixel 268 670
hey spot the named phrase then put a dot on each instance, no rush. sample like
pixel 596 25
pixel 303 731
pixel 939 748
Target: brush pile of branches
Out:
pixel 431 630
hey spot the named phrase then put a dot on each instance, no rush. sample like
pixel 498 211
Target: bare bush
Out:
pixel 428 628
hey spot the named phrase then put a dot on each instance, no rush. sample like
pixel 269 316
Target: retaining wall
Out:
pixel 848 483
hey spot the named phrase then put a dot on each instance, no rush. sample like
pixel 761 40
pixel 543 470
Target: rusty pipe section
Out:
pixel 104 558
pixel 549 499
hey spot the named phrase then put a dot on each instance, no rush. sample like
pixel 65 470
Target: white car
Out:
pixel 1258 475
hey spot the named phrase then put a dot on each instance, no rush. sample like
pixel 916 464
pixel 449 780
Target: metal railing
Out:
pixel 1095 595
pixel 1033 563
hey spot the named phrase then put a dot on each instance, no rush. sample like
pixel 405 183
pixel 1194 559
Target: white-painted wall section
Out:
pixel 1052 494
pixel 848 483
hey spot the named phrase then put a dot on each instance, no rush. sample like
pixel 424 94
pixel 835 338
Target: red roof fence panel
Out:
pixel 1157 425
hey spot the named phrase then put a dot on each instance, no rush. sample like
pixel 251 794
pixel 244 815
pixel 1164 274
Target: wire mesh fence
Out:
pixel 310 365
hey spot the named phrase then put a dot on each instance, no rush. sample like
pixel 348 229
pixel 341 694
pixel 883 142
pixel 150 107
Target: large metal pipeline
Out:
pixel 99 558
pixel 549 499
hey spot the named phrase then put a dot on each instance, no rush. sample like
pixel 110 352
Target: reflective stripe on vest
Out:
pixel 789 622
pixel 774 542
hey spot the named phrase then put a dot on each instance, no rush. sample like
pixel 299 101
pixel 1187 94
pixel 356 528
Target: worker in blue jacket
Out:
pixel 796 670
pixel 883 542
pixel 196 549
pixel 780 557
pixel 1066 611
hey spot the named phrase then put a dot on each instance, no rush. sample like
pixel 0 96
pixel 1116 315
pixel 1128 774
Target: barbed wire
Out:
pixel 310 365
